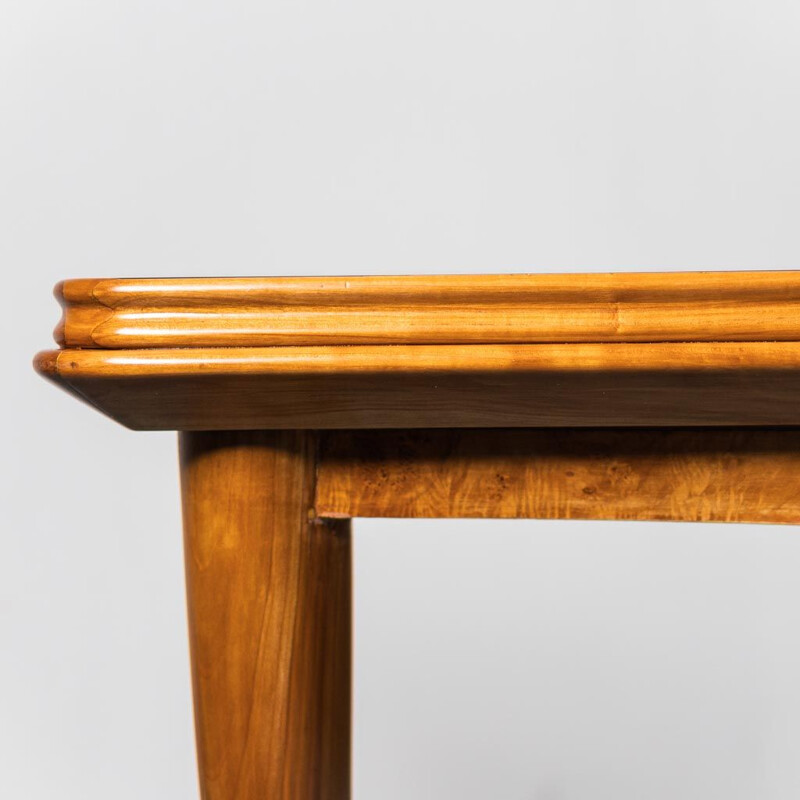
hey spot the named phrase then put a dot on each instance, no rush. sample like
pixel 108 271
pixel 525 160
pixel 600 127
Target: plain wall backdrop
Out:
pixel 518 661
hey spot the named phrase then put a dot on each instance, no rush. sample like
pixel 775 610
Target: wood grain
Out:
pixel 509 388
pixel 430 309
pixel 424 386
pixel 695 475
pixel 269 620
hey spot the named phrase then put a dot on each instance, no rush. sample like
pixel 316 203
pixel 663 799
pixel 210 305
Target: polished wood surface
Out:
pixel 703 348
pixel 509 392
pixel 423 386
pixel 430 309
pixel 269 600
pixel 693 475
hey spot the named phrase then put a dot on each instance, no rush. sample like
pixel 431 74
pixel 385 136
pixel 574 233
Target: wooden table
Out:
pixel 304 402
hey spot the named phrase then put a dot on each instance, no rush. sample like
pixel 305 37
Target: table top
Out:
pixel 434 309
pixel 679 348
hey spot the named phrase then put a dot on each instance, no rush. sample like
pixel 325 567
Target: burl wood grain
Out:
pixel 269 620
pixel 696 475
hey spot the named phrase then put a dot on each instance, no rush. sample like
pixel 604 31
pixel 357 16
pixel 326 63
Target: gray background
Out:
pixel 555 661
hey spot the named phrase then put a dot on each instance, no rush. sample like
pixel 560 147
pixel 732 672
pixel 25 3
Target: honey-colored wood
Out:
pixel 555 361
pixel 423 386
pixel 269 620
pixel 695 475
pixel 431 309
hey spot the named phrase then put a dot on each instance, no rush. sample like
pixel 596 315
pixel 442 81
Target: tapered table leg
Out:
pixel 269 597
